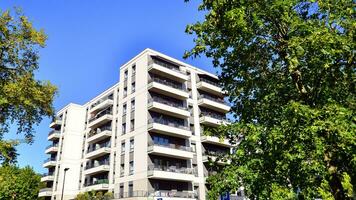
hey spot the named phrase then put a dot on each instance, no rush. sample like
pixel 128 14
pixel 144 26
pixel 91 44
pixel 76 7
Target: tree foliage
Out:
pixel 19 183
pixel 23 99
pixel 289 69
pixel 93 195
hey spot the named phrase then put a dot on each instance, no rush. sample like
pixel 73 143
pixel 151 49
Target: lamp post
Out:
pixel 64 179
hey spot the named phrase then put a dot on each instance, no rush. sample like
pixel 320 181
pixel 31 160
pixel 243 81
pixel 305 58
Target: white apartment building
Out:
pixel 142 138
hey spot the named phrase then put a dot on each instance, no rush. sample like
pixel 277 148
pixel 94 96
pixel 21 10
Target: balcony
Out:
pixel 98 151
pixel 56 123
pixel 213 103
pixel 163 126
pixel 167 107
pixel 209 86
pixel 162 194
pixel 167 88
pixel 166 69
pixel 215 140
pixel 97 167
pixel 45 192
pixel 99 134
pixel 170 173
pixel 214 155
pixel 53 148
pixel 100 184
pixel 49 162
pixel 212 119
pixel 100 118
pixel 102 104
pixel 54 135
pixel 171 150
pixel 47 177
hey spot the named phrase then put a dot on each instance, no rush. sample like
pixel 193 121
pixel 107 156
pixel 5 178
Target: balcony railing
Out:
pixel 172 146
pixel 97 182
pixel 167 102
pixel 213 115
pixel 167 83
pixel 106 112
pixel 174 169
pixel 49 159
pixel 102 100
pixel 166 65
pixel 215 153
pixel 218 100
pixel 48 174
pixel 52 145
pixel 209 81
pixel 157 193
pixel 53 132
pixel 96 147
pixel 168 123
pixel 99 130
pixel 46 190
pixel 97 164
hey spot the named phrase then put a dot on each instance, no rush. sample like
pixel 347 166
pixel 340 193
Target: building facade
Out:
pixel 142 138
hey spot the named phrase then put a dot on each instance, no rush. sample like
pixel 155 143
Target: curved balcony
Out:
pixel 213 103
pixel 171 150
pixel 54 135
pixel 100 118
pixel 100 184
pixel 47 177
pixel 99 134
pixel 98 151
pixel 167 88
pixel 209 86
pixel 167 69
pixel 167 107
pixel 162 126
pixel 159 194
pixel 45 192
pixel 49 162
pixel 56 123
pixel 170 173
pixel 101 104
pixel 97 167
pixel 53 148
pixel 215 140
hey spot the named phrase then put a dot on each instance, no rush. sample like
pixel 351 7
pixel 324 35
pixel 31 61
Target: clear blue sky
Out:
pixel 89 40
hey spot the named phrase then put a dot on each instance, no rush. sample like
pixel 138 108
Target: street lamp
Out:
pixel 64 179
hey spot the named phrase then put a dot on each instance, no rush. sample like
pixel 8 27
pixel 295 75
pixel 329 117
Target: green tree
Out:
pixel 19 183
pixel 93 195
pixel 289 69
pixel 23 99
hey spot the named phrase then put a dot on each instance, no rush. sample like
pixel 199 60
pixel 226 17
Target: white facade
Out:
pixel 142 137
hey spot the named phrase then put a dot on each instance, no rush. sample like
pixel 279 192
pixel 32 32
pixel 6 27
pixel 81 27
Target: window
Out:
pixel 132 124
pixel 124 109
pixel 131 167
pixel 123 129
pixel 133 70
pixel 132 105
pixel 125 92
pixel 121 193
pixel 122 169
pixel 132 142
pixel 126 74
pixel 123 147
pixel 131 189
pixel 133 87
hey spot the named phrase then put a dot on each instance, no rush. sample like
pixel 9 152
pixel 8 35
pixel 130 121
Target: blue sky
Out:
pixel 89 40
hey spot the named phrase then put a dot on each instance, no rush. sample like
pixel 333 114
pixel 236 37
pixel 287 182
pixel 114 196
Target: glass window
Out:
pixel 133 87
pixel 123 128
pixel 126 74
pixel 133 104
pixel 124 109
pixel 132 142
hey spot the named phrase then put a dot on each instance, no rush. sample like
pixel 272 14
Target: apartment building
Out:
pixel 142 138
